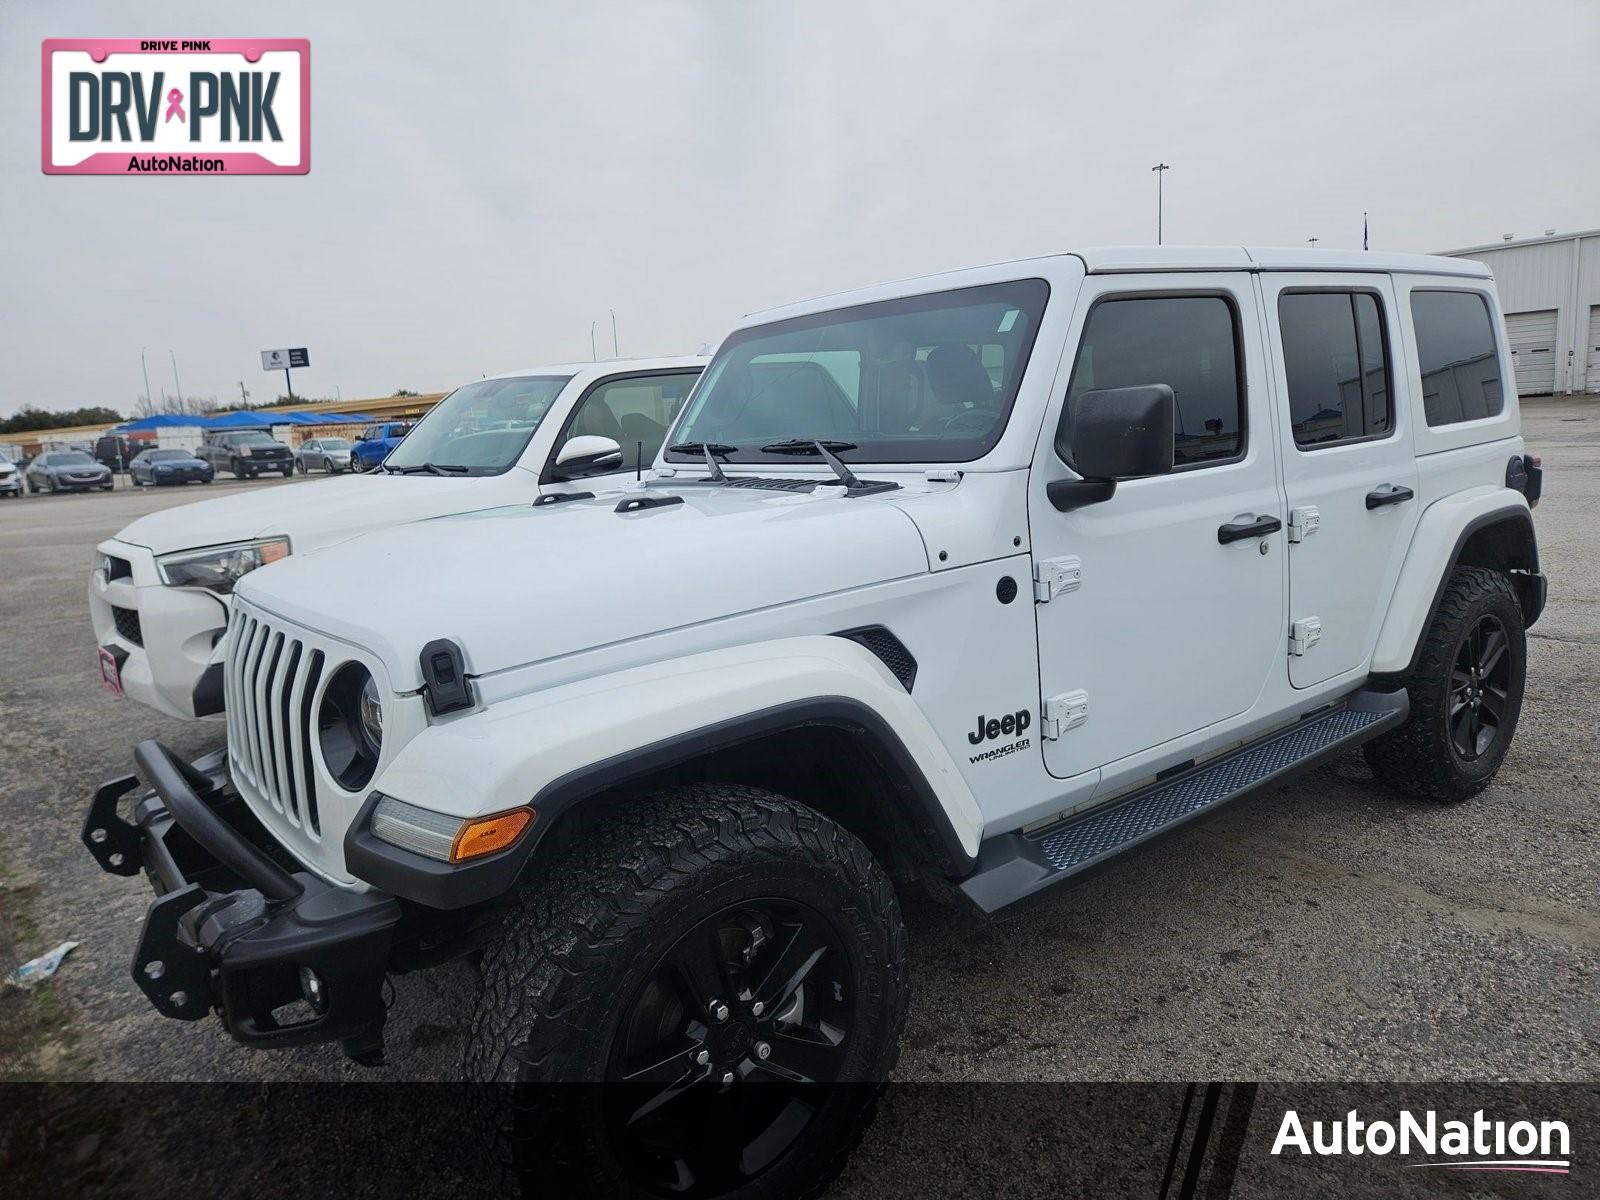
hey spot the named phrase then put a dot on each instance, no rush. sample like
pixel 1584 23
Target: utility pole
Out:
pixel 1161 170
pixel 244 396
pixel 145 367
pixel 1364 240
pixel 614 352
pixel 175 382
pixel 592 355
pixel 1312 242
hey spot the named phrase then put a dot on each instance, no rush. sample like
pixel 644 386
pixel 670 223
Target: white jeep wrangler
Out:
pixel 973 581
pixel 160 591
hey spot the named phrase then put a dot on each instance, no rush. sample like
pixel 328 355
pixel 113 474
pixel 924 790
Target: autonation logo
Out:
pixel 1480 1144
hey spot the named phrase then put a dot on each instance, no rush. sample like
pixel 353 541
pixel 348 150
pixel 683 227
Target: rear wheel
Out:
pixel 732 963
pixel 1466 693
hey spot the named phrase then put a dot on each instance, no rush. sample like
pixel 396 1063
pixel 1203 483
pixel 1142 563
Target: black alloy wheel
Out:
pixel 754 994
pixel 1480 685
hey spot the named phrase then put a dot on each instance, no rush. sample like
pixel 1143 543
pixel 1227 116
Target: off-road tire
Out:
pixel 586 929
pixel 1419 758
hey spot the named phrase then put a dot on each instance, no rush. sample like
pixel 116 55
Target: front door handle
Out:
pixel 1255 527
pixel 1388 494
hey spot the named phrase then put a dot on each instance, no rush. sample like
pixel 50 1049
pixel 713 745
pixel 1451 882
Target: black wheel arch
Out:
pixel 1502 541
pixel 891 805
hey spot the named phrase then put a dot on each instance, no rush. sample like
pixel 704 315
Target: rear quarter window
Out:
pixel 1458 356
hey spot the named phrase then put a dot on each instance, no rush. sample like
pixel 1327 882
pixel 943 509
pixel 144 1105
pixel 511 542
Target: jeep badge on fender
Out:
pixel 997 727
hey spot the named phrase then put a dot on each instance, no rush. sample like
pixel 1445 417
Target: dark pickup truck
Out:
pixel 247 454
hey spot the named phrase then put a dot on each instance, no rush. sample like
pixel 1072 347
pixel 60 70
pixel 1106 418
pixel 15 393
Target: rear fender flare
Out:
pixel 1442 534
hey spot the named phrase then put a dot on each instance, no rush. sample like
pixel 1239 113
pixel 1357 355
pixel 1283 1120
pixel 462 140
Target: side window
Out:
pixel 633 412
pixel 1189 343
pixel 1456 350
pixel 1336 365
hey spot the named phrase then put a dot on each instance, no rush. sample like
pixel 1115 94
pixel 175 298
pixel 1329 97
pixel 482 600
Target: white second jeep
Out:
pixel 974 581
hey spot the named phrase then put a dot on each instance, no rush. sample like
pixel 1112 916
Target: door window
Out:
pixel 1189 343
pixel 635 412
pixel 1336 366
pixel 1456 351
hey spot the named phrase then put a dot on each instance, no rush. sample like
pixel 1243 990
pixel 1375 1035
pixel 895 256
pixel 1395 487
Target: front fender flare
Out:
pixel 557 747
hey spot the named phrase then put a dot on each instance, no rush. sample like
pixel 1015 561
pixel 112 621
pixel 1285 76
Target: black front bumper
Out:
pixel 235 929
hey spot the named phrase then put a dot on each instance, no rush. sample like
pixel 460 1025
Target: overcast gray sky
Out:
pixel 487 179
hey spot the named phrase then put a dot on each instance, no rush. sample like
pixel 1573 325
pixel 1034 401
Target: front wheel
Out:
pixel 724 957
pixel 1466 693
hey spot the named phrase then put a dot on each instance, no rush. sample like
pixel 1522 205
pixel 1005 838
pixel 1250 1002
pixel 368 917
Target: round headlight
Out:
pixel 371 714
pixel 350 726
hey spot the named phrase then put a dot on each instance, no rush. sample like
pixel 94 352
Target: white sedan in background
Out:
pixel 160 591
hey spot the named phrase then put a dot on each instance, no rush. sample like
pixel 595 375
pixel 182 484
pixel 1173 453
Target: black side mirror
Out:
pixel 1110 435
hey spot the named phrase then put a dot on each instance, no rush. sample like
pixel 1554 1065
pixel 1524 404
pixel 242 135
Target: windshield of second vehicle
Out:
pixel 918 379
pixel 482 426
pixel 68 458
pixel 252 439
pixel 166 455
pixel 334 444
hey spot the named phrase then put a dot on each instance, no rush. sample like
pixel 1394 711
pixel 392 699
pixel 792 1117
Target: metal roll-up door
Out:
pixel 1533 351
pixel 1593 383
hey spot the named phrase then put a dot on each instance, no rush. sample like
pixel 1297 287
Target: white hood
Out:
pixel 322 512
pixel 526 584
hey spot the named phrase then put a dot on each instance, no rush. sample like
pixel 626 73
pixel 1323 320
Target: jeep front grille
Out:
pixel 271 679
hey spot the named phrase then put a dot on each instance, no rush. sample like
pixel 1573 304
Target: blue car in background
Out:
pixel 152 468
pixel 375 442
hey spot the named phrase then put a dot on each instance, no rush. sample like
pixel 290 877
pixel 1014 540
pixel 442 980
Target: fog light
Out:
pixel 313 991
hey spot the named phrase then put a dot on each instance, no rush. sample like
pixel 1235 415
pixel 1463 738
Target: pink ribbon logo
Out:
pixel 175 106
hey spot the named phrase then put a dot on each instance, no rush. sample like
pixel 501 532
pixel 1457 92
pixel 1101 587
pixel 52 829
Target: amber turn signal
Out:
pixel 486 835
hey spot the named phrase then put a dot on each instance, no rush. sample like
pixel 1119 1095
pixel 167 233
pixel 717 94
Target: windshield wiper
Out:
pixel 710 450
pixel 430 468
pixel 852 485
pixel 807 446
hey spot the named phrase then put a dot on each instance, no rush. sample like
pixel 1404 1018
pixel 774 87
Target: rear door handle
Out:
pixel 1389 493
pixel 1255 527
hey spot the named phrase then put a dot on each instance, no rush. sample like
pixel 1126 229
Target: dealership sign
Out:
pixel 282 360
pixel 212 106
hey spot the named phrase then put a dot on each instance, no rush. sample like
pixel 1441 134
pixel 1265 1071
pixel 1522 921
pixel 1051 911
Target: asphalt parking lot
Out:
pixel 1323 930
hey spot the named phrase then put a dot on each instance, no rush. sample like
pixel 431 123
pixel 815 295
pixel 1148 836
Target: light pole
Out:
pixel 1312 242
pixel 1161 170
pixel 615 353
pixel 145 367
pixel 175 382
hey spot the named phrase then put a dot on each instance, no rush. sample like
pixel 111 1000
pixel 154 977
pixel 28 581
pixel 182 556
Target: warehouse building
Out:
pixel 1550 293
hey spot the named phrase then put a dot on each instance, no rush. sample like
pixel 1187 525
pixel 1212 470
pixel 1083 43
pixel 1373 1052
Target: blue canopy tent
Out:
pixel 159 421
pixel 238 420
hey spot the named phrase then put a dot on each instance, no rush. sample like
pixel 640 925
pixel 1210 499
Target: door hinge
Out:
pixel 1064 712
pixel 1303 522
pixel 1304 634
pixel 1053 576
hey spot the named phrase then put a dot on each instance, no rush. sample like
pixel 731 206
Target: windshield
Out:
pixel 165 455
pixel 72 458
pixel 334 444
pixel 918 379
pixel 483 426
pixel 250 439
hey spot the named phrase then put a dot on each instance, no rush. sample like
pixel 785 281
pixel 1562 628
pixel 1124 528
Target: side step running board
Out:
pixel 1016 865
